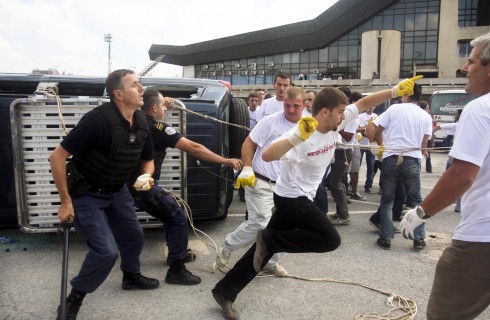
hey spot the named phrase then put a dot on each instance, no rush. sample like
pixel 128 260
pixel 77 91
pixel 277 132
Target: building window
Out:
pixel 473 13
pixel 464 48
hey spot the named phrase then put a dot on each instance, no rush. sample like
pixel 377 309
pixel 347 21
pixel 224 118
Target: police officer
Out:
pixel 107 144
pixel 156 201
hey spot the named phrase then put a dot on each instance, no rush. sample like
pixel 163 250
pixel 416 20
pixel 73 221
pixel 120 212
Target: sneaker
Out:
pixel 375 225
pixel 260 251
pixel 137 281
pixel 189 258
pixel 457 209
pixel 178 274
pixel 222 257
pixel 419 244
pixel 277 271
pixel 357 196
pixel 72 306
pixel 368 190
pixel 384 243
pixel 341 222
pixel 226 306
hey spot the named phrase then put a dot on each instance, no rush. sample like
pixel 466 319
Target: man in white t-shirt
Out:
pixel 259 178
pixel 461 288
pixel 282 81
pixel 297 224
pixel 403 129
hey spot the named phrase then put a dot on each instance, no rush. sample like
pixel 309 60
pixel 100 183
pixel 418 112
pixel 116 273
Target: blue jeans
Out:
pixel 370 168
pixel 409 172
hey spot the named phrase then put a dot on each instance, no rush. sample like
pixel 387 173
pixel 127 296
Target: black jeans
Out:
pixel 297 226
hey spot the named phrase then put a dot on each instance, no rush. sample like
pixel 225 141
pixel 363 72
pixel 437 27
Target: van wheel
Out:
pixel 238 115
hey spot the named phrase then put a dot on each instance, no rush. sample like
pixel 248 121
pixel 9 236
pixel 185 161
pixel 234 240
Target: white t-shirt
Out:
pixel 269 106
pixel 253 117
pixel 471 144
pixel 303 167
pixel 363 121
pixel 405 125
pixel 266 131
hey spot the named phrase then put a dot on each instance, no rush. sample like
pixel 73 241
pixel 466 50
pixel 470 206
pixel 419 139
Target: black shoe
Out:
pixel 368 190
pixel 242 198
pixel 376 225
pixel 226 306
pixel 384 243
pixel 137 281
pixel 189 258
pixel 419 244
pixel 178 274
pixel 73 303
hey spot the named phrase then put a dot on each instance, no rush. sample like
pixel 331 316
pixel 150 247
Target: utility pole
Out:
pixel 108 39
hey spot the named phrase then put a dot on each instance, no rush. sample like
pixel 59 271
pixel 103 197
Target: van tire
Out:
pixel 238 115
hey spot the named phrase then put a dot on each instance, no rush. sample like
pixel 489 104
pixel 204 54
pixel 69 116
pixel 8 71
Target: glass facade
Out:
pixel 473 13
pixel 417 20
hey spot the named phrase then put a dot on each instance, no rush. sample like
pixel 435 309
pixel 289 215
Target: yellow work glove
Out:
pixel 359 137
pixel 404 87
pixel 371 119
pixel 144 182
pixel 377 150
pixel 304 129
pixel 246 178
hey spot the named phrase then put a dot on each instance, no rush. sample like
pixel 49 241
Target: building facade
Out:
pixel 354 39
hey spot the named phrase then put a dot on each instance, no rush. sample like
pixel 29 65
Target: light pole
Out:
pixel 108 39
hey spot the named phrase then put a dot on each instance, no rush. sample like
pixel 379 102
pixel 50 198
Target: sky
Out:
pixel 68 35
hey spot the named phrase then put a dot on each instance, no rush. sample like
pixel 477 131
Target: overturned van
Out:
pixel 36 111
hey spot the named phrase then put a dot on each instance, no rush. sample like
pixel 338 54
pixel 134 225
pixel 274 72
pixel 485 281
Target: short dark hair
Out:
pixel 329 98
pixel 417 92
pixel 252 94
pixel 283 75
pixel 355 97
pixel 423 104
pixel 114 81
pixel 150 97
pixel 346 91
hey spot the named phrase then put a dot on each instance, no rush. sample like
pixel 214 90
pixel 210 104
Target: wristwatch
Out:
pixel 421 213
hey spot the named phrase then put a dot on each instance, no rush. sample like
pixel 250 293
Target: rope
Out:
pixel 179 107
pixel 53 92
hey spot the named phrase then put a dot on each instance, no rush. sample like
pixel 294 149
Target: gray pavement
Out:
pixel 30 273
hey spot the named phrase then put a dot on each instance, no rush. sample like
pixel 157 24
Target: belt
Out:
pixel 261 177
pixel 396 156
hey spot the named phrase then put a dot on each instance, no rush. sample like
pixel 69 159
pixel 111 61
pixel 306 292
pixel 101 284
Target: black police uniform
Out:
pixel 105 152
pixel 157 202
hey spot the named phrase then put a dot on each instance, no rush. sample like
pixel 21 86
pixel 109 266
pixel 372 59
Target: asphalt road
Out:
pixel 30 273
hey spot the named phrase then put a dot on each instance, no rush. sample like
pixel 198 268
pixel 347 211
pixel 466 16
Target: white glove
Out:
pixel 412 221
pixel 304 129
pixel 143 183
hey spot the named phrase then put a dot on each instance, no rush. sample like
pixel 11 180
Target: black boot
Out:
pixel 178 274
pixel 190 257
pixel 73 303
pixel 137 281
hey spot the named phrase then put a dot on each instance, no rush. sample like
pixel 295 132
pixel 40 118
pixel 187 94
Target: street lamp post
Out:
pixel 380 37
pixel 108 39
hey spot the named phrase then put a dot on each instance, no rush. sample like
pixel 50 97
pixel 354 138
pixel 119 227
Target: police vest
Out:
pixel 110 170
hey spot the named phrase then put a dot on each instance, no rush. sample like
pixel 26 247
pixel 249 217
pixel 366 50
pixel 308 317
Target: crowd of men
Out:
pixel 300 145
